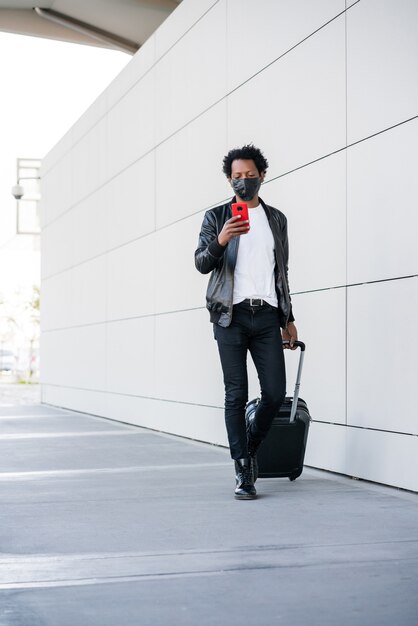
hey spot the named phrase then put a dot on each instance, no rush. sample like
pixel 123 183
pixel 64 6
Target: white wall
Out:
pixel 328 93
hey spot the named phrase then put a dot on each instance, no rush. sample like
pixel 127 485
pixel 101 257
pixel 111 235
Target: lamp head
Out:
pixel 17 191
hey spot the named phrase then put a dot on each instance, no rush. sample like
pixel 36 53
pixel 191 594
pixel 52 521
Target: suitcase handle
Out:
pixel 300 345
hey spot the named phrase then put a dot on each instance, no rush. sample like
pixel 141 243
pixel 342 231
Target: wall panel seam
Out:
pixel 293 293
pixel 133 395
pixel 346 224
pixel 366 282
pixel 356 426
pixel 124 319
pixel 346 147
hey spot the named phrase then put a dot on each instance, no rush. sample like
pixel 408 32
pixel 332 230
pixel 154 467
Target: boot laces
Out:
pixel 246 474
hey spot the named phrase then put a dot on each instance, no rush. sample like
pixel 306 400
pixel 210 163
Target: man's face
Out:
pixel 245 168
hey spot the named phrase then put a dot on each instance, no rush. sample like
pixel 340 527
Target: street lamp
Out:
pixel 27 214
pixel 17 191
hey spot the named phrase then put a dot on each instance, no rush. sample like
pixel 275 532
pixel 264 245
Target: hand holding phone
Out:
pixel 240 208
pixel 238 224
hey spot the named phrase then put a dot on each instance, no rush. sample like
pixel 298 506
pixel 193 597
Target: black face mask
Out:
pixel 246 188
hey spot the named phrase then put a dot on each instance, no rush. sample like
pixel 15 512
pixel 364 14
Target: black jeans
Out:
pixel 256 329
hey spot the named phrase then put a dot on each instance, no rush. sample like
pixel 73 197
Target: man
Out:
pixel 248 299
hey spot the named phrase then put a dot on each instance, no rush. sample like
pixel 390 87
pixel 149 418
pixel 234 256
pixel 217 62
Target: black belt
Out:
pixel 255 301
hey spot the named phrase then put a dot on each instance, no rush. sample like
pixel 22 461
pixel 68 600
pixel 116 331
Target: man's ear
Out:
pixel 262 176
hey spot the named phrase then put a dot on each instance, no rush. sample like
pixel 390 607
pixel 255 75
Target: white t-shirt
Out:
pixel 254 270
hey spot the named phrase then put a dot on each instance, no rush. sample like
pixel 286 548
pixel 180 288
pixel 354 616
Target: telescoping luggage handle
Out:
pixel 300 345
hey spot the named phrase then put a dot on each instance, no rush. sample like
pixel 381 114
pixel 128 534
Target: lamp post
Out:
pixel 27 170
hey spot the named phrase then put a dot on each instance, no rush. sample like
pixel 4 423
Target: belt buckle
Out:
pixel 254 300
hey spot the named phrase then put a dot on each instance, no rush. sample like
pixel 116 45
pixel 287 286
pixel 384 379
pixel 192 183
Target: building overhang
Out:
pixel 117 24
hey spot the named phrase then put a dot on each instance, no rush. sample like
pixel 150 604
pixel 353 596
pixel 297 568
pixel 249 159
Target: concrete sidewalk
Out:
pixel 107 524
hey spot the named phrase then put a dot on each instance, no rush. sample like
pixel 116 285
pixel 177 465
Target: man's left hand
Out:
pixel 290 333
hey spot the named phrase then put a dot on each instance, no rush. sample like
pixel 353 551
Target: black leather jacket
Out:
pixel 210 256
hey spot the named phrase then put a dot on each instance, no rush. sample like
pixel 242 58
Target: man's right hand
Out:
pixel 233 227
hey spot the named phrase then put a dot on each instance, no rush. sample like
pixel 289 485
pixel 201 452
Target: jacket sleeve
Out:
pixel 209 251
pixel 285 241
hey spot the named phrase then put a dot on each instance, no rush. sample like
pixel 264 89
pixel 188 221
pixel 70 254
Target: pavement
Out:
pixel 12 393
pixel 108 524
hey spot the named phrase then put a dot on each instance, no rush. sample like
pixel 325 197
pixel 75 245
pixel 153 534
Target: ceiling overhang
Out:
pixel 117 24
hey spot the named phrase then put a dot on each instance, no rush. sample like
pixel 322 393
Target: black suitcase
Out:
pixel 283 451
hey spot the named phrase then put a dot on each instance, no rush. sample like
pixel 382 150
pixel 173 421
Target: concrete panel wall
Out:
pixel 327 90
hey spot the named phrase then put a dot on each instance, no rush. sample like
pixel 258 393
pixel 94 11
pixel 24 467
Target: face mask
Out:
pixel 246 188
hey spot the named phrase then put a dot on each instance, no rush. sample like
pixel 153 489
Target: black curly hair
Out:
pixel 246 152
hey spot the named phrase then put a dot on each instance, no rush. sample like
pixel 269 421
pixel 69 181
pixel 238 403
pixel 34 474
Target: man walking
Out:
pixel 249 302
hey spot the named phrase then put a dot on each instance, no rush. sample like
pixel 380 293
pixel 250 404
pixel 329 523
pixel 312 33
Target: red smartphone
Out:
pixel 240 208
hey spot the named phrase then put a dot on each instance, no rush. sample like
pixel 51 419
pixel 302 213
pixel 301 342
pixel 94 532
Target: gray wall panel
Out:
pixel 382 65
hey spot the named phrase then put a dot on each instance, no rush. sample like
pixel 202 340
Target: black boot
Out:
pixel 245 489
pixel 253 446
